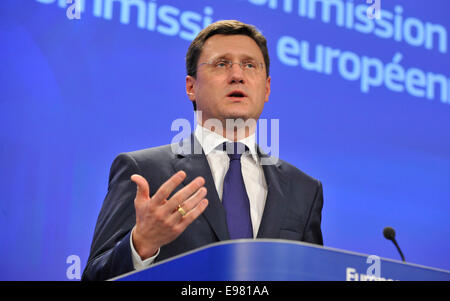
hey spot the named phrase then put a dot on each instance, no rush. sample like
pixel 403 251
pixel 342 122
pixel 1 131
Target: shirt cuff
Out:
pixel 138 263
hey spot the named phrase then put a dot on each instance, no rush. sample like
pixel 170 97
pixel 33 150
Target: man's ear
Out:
pixel 190 87
pixel 267 89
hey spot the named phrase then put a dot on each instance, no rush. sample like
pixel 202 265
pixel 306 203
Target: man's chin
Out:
pixel 236 115
pixel 231 116
pixel 239 117
pixel 240 120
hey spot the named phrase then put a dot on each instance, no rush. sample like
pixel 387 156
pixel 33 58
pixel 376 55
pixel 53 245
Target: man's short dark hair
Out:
pixel 225 27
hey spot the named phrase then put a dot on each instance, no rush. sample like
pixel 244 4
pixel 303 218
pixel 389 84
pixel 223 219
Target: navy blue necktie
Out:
pixel 235 198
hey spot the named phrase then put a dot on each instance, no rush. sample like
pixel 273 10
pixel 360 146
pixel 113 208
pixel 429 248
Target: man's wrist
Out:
pixel 143 252
pixel 138 262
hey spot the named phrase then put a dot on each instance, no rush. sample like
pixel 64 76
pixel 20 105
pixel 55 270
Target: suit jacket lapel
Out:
pixel 194 163
pixel 276 200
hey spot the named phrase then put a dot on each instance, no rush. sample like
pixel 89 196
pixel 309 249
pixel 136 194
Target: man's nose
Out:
pixel 236 74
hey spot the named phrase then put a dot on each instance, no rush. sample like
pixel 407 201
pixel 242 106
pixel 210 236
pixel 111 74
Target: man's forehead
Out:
pixel 241 46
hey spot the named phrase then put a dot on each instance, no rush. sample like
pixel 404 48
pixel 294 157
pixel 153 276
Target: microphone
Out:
pixel 389 233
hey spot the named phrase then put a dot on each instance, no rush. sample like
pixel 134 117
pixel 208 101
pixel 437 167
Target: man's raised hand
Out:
pixel 158 220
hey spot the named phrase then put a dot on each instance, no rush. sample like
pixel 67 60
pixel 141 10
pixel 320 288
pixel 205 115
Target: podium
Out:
pixel 280 260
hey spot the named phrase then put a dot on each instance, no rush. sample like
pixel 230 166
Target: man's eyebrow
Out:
pixel 221 57
pixel 248 57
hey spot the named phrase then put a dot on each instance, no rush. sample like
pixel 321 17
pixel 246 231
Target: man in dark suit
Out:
pixel 230 189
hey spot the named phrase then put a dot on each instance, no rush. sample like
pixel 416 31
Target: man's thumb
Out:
pixel 143 190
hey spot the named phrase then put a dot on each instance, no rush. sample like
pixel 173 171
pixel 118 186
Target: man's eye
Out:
pixel 221 64
pixel 250 65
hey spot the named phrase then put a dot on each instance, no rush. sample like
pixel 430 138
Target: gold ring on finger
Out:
pixel 181 210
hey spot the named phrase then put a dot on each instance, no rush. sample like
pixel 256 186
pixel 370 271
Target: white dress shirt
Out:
pixel 218 161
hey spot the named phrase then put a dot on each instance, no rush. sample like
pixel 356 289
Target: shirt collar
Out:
pixel 209 140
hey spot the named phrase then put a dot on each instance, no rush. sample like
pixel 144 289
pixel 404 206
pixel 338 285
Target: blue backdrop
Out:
pixel 363 105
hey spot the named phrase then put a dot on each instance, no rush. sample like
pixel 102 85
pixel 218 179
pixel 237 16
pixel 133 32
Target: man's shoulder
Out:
pixel 186 146
pixel 144 157
pixel 288 171
pixel 154 163
pixel 293 173
pixel 151 152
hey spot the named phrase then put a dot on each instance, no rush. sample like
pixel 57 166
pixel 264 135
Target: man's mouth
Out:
pixel 237 94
